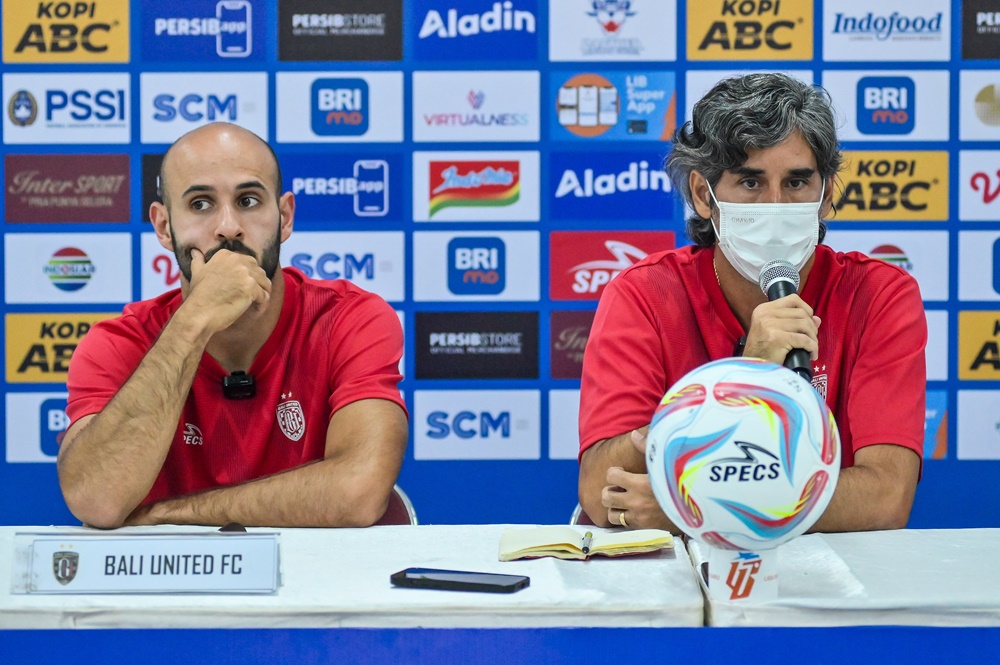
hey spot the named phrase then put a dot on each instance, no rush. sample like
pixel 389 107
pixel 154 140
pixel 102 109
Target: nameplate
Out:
pixel 207 562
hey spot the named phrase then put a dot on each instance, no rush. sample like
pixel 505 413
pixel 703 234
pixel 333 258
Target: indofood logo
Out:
pixel 22 108
pixel 882 28
pixel 69 269
pixel 473 183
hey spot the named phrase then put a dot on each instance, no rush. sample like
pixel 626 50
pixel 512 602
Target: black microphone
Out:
pixel 778 279
pixel 238 385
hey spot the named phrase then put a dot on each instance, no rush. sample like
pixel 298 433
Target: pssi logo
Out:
pixel 468 425
pixel 886 105
pixel 69 269
pixel 66 31
pixel 52 424
pixel 340 107
pixel 476 266
pixel 769 29
pixel 194 108
pixel 611 14
pixel 742 573
pixel 336 266
pixel 22 108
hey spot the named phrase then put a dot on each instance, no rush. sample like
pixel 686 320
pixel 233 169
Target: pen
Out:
pixel 588 538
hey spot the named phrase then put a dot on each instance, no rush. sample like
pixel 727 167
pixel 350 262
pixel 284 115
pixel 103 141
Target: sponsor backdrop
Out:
pixel 488 166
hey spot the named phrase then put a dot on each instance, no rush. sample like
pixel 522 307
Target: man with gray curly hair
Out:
pixel 757 167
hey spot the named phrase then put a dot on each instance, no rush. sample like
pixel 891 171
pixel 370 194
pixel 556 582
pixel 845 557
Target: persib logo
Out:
pixel 468 425
pixel 340 107
pixel 477 266
pixel 886 105
pixel 69 269
pixel 194 108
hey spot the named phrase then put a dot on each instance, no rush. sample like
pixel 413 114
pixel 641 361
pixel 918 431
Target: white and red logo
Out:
pixel 192 435
pixel 741 575
pixel 604 254
pixel 291 419
pixel 611 14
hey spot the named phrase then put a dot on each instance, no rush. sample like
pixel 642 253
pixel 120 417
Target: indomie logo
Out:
pixel 473 183
pixel 476 266
pixel 886 105
pixel 340 107
pixel 742 572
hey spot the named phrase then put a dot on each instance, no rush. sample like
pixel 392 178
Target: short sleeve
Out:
pixel 366 346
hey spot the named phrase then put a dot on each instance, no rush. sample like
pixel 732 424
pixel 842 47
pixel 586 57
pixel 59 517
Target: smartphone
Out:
pixel 458 580
pixel 372 197
pixel 233 40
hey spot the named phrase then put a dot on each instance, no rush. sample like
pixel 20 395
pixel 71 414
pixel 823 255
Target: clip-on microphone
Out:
pixel 238 385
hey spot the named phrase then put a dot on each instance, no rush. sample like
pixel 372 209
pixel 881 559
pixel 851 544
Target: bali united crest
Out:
pixel 64 566
pixel 291 420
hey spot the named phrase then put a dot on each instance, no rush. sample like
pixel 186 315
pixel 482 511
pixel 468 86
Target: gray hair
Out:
pixel 751 111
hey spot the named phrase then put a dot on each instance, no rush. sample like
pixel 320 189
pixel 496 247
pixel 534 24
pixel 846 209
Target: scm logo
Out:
pixel 477 266
pixel 468 425
pixel 894 185
pixel 43 32
pixel 336 266
pixel 39 346
pixel 194 107
pixel 340 107
pixel 751 30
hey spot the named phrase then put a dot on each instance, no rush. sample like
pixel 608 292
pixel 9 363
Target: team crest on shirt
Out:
pixel 819 381
pixel 291 419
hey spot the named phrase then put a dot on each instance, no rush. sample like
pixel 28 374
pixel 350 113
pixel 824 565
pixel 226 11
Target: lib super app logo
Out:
pixel 614 106
pixel 42 31
pixel 477 266
pixel 886 105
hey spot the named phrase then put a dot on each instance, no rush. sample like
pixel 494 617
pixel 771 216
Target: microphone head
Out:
pixel 778 270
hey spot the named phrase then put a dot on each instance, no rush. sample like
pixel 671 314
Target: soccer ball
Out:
pixel 743 454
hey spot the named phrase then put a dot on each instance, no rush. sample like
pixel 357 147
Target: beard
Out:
pixel 268 260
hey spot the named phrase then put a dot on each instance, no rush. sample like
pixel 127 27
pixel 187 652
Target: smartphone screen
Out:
pixel 233 40
pixel 372 198
pixel 458 580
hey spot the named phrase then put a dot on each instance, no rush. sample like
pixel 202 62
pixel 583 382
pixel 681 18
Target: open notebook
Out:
pixel 566 542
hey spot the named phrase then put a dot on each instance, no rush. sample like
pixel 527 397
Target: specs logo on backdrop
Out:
pixel 979 345
pixel 66 188
pixel 886 105
pixel 615 106
pixel 494 183
pixel 751 30
pixel 894 185
pixel 63 32
pixel 207 29
pixel 893 255
pixel 340 30
pixel 368 189
pixel 22 108
pixel 477 266
pixel 980 30
pixel 477 345
pixel 69 269
pixel 568 332
pixel 605 254
pixel 597 185
pixel 39 346
pixel 340 107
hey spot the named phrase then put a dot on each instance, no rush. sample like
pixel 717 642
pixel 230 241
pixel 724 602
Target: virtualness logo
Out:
pixel 493 183
pixel 340 107
pixel 881 28
pixel 69 269
pixel 476 99
pixel 22 108
pixel 886 105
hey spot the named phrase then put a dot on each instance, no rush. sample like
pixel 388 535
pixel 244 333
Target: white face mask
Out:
pixel 751 234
